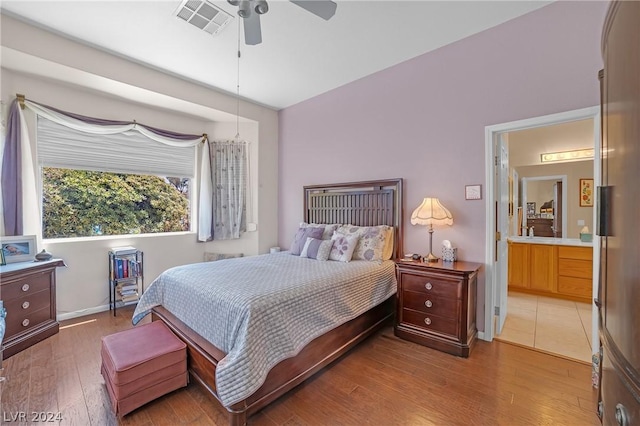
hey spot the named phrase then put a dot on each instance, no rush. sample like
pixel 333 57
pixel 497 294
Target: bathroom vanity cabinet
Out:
pixel 554 270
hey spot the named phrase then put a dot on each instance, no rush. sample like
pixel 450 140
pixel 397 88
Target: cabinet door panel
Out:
pixel 542 261
pixel 518 274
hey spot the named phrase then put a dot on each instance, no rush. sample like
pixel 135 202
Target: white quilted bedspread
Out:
pixel 262 309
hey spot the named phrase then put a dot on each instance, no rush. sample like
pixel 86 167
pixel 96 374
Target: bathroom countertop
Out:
pixel 550 240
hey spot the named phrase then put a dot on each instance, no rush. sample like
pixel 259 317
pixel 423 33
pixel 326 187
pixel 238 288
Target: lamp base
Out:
pixel 430 258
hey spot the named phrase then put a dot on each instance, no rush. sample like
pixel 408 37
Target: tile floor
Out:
pixel 553 325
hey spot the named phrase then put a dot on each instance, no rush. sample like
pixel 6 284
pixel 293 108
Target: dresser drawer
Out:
pixel 29 303
pixel 430 304
pixel 432 285
pixel 25 321
pixel 25 286
pixel 430 323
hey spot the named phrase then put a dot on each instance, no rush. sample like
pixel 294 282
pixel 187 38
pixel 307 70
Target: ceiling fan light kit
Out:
pixel 325 9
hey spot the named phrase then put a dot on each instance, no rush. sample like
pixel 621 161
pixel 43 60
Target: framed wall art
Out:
pixel 19 248
pixel 586 192
pixel 473 192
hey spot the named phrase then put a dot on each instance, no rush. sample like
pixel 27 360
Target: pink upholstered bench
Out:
pixel 142 364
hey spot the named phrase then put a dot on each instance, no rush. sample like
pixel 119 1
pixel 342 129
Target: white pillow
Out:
pixel 373 242
pixel 328 229
pixel 343 247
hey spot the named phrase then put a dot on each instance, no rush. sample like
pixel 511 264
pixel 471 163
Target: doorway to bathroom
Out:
pixel 516 150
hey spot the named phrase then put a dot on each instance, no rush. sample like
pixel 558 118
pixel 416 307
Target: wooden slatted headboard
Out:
pixel 368 203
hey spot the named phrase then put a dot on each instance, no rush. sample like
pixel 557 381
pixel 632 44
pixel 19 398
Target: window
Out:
pixel 84 203
pixel 113 184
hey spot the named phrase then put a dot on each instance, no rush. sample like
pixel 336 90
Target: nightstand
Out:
pixel 437 304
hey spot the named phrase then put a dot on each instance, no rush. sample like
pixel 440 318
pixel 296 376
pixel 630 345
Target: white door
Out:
pixel 502 225
pixel 516 224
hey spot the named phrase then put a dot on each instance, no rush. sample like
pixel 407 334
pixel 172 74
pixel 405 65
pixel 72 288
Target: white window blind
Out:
pixel 131 152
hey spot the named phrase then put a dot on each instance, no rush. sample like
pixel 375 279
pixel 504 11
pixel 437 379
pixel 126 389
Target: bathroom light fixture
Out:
pixel 575 155
pixel 431 212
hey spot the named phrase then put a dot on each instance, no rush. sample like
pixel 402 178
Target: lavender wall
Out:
pixel 424 119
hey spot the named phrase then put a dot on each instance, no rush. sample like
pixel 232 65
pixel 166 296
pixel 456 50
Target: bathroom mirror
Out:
pixel 544 199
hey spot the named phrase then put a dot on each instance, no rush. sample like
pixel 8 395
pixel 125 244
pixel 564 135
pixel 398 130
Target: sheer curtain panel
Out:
pixel 229 181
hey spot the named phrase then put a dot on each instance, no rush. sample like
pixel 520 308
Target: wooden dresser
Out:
pixel 437 304
pixel 541 227
pixel 28 290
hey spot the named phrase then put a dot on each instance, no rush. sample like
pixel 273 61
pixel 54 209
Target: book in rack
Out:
pixel 126 276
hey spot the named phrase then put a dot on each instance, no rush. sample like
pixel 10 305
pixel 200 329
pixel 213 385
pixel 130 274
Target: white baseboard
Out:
pixel 481 335
pixel 82 312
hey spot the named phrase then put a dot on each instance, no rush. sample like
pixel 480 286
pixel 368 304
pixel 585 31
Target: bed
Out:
pixel 369 203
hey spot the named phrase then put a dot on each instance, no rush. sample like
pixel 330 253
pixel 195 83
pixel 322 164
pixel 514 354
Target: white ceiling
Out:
pixel 301 55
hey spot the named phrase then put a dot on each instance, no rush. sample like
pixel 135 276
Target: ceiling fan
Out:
pixel 250 11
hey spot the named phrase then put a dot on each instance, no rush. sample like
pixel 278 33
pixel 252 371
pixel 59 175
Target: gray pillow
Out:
pixel 317 249
pixel 301 238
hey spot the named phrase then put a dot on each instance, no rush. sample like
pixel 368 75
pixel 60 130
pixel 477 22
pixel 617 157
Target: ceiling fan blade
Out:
pixel 322 8
pixel 252 29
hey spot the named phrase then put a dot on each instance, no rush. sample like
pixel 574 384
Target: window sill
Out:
pixel 116 237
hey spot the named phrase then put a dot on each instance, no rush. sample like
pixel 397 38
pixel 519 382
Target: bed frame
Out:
pixel 367 203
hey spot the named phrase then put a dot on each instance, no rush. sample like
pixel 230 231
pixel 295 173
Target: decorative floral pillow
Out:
pixel 372 242
pixel 317 249
pixel 301 238
pixel 328 229
pixel 343 247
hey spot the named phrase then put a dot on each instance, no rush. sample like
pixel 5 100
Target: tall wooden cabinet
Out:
pixel 619 214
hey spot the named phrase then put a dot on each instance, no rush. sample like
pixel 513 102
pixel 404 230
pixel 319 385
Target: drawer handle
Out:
pixel 25 287
pixel 25 304
pixel 25 322
pixel 622 416
pixel 427 321
pixel 428 303
pixel 428 286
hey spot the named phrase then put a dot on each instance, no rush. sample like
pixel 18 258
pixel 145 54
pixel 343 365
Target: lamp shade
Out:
pixel 431 212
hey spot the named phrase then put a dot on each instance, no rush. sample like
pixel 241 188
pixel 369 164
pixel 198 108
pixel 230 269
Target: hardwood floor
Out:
pixel 384 381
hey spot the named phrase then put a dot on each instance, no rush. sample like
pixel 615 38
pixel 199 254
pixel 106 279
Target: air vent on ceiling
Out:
pixel 204 15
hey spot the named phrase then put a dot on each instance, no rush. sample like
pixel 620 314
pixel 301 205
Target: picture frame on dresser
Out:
pixel 21 248
pixel 2 260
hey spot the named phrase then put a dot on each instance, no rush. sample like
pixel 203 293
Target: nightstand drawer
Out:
pixel 22 322
pixel 432 285
pixel 431 323
pixel 25 286
pixel 430 304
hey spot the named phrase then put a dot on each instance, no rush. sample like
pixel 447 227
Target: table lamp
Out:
pixel 431 212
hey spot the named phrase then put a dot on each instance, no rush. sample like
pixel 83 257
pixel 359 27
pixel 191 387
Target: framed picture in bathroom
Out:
pixel 586 192
pixel 531 209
